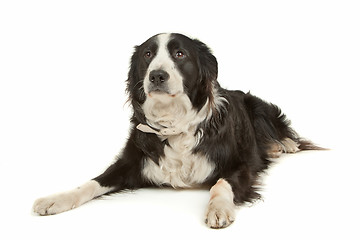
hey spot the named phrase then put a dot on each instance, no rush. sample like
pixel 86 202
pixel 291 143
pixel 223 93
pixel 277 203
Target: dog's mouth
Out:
pixel 159 93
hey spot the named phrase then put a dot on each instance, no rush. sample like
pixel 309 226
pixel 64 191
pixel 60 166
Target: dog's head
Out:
pixel 167 66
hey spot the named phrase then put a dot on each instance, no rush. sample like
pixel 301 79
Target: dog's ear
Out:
pixel 134 87
pixel 207 63
pixel 133 75
pixel 208 72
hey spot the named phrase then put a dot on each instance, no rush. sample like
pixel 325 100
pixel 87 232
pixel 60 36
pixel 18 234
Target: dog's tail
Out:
pixel 308 145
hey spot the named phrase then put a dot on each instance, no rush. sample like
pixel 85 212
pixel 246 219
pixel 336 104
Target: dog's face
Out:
pixel 169 65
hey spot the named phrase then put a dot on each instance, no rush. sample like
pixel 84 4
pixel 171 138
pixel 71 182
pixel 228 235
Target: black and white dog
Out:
pixel 187 132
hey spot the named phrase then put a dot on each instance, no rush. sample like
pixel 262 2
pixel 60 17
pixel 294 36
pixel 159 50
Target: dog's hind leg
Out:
pixel 286 145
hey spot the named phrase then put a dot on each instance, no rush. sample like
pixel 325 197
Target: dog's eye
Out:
pixel 179 54
pixel 148 54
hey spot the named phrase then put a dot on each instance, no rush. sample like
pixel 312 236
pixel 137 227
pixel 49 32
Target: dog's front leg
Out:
pixel 221 208
pixel 125 173
pixel 65 201
pixel 118 176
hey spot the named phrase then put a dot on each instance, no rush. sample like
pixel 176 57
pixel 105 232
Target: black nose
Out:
pixel 158 77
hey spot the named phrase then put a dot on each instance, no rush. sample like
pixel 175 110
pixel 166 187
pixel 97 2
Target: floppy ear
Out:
pixel 208 72
pixel 134 82
pixel 207 63
pixel 134 87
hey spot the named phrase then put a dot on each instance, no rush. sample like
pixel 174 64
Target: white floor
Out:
pixel 63 119
pixel 311 195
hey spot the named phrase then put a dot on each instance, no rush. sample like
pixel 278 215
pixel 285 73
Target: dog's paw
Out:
pixel 274 150
pixel 220 213
pixel 289 146
pixel 55 204
pixel 65 201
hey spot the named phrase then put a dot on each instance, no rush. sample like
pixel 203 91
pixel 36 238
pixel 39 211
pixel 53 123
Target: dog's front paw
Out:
pixel 65 201
pixel 55 204
pixel 220 213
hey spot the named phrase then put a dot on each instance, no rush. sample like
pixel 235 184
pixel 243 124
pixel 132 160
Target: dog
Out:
pixel 187 131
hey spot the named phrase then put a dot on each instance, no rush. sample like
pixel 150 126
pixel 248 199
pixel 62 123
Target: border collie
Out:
pixel 187 131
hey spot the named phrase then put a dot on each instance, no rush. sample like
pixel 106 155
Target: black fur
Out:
pixel 237 138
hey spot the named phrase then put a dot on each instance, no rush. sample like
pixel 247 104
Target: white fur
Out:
pixel 163 61
pixel 179 167
pixel 65 201
pixel 221 208
pixel 218 102
pixel 289 146
pixel 175 112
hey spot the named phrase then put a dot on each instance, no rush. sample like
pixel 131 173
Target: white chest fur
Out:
pixel 179 167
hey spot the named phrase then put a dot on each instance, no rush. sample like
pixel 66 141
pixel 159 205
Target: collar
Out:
pixel 165 132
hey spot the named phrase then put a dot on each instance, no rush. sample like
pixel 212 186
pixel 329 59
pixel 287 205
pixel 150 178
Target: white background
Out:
pixel 63 114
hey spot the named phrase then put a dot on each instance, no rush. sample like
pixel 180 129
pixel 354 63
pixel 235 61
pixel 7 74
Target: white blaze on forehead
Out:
pixel 164 61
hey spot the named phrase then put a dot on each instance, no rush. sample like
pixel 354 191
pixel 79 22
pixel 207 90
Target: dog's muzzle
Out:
pixel 159 81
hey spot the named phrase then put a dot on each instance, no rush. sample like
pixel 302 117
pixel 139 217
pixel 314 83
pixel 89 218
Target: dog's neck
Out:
pixel 169 117
pixel 165 132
